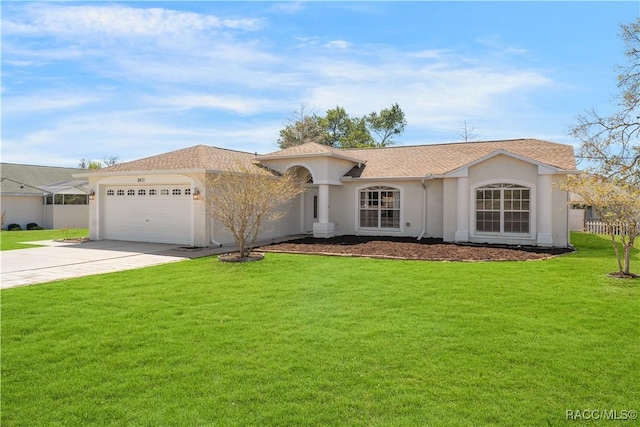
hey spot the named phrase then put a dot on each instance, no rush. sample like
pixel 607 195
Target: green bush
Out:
pixel 34 226
pixel 14 227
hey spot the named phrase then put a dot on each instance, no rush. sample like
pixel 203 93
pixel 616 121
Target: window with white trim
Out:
pixel 110 193
pixel 120 192
pixel 503 208
pixel 380 208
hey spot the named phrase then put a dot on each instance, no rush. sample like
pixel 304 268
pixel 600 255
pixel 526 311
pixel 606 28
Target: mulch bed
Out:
pixel 235 257
pixel 410 248
pixel 73 240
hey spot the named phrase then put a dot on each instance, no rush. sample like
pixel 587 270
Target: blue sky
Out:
pixel 135 79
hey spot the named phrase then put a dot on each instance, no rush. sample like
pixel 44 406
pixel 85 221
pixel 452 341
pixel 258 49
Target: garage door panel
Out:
pixel 159 214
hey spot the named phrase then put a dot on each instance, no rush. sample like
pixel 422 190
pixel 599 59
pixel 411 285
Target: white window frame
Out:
pixel 514 235
pixel 378 230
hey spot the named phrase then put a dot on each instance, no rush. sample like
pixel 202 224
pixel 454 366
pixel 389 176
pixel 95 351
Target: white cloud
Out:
pixel 116 21
pixel 44 102
pixel 433 89
pixel 338 44
pixel 161 65
pixel 237 104
pixel 288 7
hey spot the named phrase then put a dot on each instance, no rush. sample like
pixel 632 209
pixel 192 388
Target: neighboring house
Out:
pixel 48 196
pixel 483 192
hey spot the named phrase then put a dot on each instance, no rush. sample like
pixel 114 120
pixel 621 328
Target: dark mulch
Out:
pixel 235 257
pixel 410 248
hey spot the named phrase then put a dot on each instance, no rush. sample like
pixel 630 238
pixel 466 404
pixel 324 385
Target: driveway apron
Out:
pixel 58 260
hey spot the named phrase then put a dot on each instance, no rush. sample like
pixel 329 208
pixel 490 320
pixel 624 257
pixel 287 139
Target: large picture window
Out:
pixel 503 208
pixel 380 208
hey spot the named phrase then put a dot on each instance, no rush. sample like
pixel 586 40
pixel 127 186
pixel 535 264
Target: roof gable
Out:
pixel 199 157
pixel 312 149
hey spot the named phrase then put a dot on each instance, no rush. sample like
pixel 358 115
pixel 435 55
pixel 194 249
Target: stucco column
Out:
pixel 545 211
pixel 323 228
pixel 95 232
pixel 462 210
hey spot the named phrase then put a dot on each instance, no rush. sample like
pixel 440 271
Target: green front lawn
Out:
pixel 10 240
pixel 310 340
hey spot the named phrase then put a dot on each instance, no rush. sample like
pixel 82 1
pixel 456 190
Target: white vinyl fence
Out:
pixel 599 227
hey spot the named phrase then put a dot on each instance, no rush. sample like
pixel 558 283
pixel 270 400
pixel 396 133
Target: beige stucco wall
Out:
pixel 504 169
pixel 23 210
pixel 442 201
pixel 214 233
pixel 27 209
pixel 67 216
pixel 501 169
pixel 344 209
pixel 560 207
pixel 288 225
pixel 449 209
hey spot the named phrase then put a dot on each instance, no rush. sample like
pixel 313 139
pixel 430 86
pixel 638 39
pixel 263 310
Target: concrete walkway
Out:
pixel 61 260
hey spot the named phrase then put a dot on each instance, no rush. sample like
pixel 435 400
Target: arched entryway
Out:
pixel 309 199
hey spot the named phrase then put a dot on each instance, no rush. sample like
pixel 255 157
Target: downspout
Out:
pixel 567 220
pixel 215 243
pixel 424 205
pixel 212 221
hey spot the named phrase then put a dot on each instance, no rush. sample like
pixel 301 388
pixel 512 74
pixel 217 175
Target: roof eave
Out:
pixel 139 172
pixel 300 156
pixel 392 178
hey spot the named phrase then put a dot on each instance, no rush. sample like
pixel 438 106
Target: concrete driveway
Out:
pixel 57 260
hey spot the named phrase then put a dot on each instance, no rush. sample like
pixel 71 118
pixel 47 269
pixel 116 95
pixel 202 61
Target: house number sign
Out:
pixel 140 179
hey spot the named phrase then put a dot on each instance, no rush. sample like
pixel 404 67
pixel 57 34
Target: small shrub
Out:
pixel 14 227
pixel 34 226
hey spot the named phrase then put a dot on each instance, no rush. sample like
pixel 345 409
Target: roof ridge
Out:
pixel 223 149
pixel 38 166
pixel 450 143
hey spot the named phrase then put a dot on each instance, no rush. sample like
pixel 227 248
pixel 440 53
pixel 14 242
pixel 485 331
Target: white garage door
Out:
pixel 160 214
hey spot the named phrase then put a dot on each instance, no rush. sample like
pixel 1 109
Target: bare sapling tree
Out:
pixel 248 200
pixel 611 146
pixel 617 203
pixel 467 132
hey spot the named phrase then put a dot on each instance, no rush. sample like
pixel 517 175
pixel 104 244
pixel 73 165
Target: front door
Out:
pixel 310 208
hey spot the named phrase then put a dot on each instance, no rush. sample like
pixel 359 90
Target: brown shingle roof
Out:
pixel 200 157
pixel 439 159
pixel 387 162
pixel 312 149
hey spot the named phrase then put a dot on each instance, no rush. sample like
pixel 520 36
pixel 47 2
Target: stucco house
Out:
pixel 485 192
pixel 48 196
